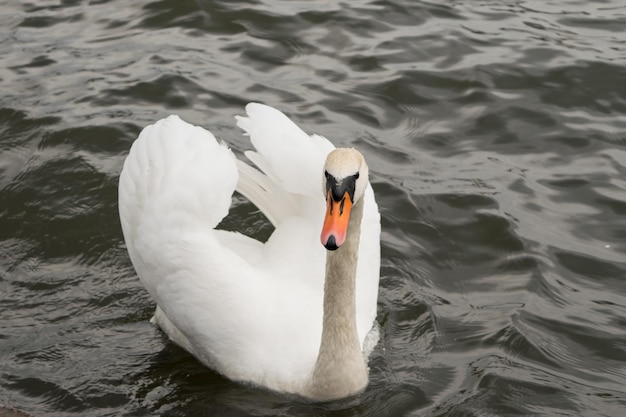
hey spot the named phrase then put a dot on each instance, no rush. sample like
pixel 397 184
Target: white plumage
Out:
pixel 250 310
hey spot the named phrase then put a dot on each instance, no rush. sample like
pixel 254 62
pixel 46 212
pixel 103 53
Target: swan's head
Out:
pixel 345 178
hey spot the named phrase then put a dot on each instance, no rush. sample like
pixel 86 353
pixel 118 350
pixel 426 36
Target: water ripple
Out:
pixel 494 132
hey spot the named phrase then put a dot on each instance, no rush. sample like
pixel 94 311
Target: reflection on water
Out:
pixel 495 133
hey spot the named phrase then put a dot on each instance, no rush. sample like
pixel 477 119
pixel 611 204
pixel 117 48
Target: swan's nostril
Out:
pixel 331 244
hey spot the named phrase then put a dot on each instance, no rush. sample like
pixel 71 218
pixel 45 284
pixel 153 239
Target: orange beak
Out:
pixel 335 226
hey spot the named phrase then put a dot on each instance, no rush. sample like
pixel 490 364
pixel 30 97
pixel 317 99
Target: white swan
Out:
pixel 284 314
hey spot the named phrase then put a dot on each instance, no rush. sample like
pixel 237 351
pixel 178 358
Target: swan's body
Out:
pixel 253 311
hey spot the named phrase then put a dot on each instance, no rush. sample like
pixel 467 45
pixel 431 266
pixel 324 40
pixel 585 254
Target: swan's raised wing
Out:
pixel 284 152
pixel 175 187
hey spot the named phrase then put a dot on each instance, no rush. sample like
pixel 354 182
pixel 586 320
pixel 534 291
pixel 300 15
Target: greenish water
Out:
pixel 496 138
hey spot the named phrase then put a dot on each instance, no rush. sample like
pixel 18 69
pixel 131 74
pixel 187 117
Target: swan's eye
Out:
pixel 356 176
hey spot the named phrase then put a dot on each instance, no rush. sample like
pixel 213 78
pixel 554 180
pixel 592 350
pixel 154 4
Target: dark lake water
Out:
pixel 495 132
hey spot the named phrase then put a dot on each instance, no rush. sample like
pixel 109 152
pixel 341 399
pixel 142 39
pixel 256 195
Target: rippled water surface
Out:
pixel 496 136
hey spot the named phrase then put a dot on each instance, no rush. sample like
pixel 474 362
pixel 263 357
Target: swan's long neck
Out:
pixel 340 369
